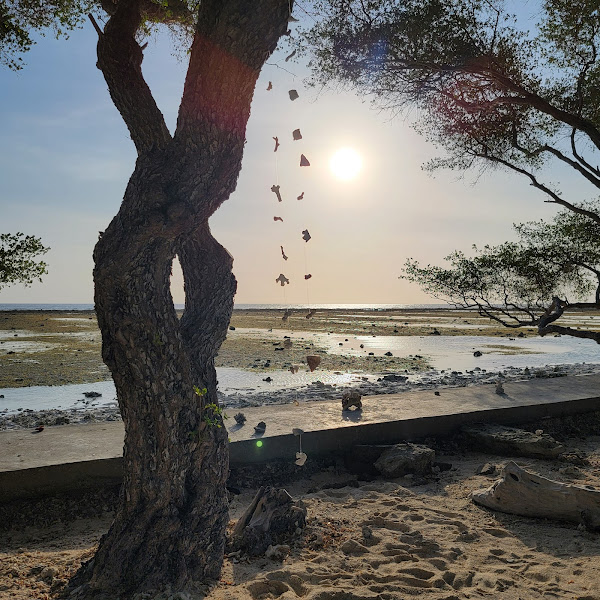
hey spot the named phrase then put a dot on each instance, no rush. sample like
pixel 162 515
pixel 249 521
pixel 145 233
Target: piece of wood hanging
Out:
pixel 300 197
pixel 283 253
pixel 277 219
pixel 311 313
pixel 305 235
pixel 290 56
pixel 293 95
pixel 308 276
pixel 287 314
pixel 296 135
pixel 269 87
pixel 277 144
pixel 282 279
pixel 313 361
pixel 304 161
pixel 275 189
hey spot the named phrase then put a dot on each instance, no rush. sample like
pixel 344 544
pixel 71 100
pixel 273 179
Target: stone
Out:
pixel 279 552
pixel 350 399
pixel 487 469
pixel 510 441
pixel 477 353
pixel 240 418
pixel 403 459
pixel 388 354
pixel 353 547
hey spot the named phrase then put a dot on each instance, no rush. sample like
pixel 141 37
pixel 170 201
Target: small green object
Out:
pixel 259 444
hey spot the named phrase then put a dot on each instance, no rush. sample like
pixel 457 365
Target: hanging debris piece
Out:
pixel 313 361
pixel 290 56
pixel 301 196
pixel 283 253
pixel 292 19
pixel 282 279
pixel 293 95
pixel 269 87
pixel 296 135
pixel 304 161
pixel 311 313
pixel 287 314
pixel 287 343
pixel 307 276
pixel 305 235
pixel 277 144
pixel 277 219
pixel 275 190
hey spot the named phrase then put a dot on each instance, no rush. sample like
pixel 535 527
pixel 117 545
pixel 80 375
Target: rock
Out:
pixel 487 469
pixel 278 552
pixel 92 394
pixel 48 574
pixel 510 441
pixel 499 388
pixel 240 418
pixel 402 459
pixel 353 547
pixel 477 353
pixel 261 427
pixel 388 354
pixel 268 379
pixel 435 332
pixel 231 328
pixel 394 377
pixel 351 398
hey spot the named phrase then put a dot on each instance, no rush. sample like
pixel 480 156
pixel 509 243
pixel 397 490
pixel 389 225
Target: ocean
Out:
pixel 84 307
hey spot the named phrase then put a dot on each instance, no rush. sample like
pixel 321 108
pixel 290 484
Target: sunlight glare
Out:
pixel 345 164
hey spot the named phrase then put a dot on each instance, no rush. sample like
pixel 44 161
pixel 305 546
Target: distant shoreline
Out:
pixel 14 307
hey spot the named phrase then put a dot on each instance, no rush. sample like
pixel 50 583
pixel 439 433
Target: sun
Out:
pixel 345 164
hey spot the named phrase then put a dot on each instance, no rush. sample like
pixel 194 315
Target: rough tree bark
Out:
pixel 169 529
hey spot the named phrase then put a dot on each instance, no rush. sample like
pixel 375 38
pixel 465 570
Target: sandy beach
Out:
pixel 364 540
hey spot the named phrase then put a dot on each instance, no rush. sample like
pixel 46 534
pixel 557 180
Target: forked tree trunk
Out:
pixel 169 529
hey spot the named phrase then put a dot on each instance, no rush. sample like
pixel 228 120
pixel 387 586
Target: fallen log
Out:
pixel 520 492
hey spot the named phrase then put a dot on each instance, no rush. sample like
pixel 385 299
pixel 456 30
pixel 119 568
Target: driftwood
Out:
pixel 271 516
pixel 523 493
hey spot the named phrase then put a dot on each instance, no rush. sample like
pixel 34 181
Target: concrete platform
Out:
pixel 73 457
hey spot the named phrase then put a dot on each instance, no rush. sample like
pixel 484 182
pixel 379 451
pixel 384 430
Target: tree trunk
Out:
pixel 169 529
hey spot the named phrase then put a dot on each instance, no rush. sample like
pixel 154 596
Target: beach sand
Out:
pixel 381 539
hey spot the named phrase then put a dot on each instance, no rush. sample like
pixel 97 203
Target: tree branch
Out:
pixel 120 60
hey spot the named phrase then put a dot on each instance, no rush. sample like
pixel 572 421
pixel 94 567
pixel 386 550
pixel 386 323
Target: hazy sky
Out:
pixel 66 156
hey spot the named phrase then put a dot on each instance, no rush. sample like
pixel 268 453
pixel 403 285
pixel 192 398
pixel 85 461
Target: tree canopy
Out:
pixel 489 92
pixel 17 259
pixel 552 268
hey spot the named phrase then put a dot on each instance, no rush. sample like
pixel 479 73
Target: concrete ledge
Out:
pixel 83 457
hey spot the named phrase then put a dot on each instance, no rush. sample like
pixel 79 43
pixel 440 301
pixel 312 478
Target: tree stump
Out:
pixel 523 493
pixel 271 516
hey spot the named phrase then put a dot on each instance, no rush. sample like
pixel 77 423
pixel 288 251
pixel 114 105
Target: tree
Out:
pixel 169 529
pixel 17 254
pixel 491 95
pixel 521 283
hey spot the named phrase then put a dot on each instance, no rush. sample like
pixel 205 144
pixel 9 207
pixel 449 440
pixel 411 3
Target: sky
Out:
pixel 66 156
